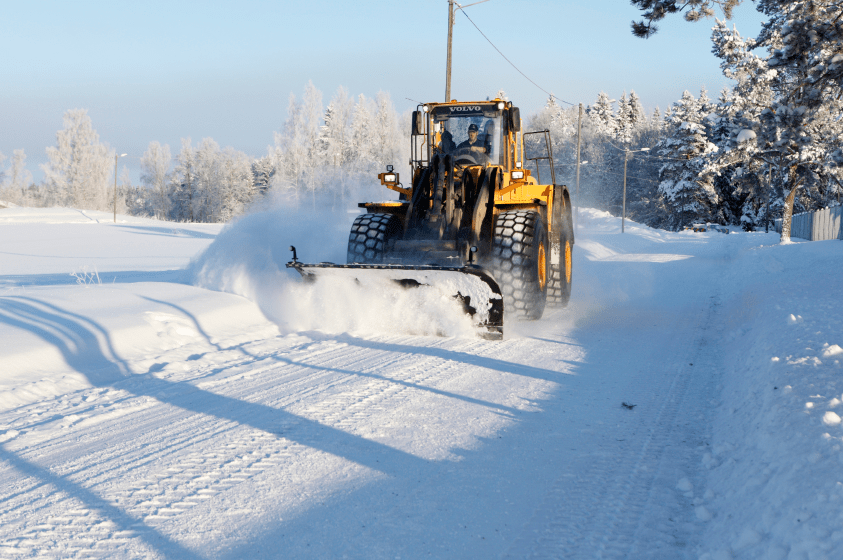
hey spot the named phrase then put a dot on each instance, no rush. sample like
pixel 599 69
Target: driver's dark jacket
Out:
pixel 469 144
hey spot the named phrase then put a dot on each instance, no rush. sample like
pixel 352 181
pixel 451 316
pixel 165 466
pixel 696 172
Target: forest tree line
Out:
pixel 320 154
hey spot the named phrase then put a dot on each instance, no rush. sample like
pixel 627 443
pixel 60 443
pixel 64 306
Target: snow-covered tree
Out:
pixel 386 136
pixel 623 123
pixel 15 179
pixel 155 167
pixel 361 149
pixel 235 187
pixel 207 201
pixel 804 67
pixel 688 194
pixel 183 184
pixel 636 110
pixel 602 114
pixel 656 118
pixel 263 171
pixel 79 167
pixel 334 134
pixel 298 157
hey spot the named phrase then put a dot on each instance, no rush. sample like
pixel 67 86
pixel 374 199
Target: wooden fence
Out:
pixel 816 226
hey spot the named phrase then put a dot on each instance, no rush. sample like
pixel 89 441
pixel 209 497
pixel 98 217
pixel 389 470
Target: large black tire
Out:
pixel 559 286
pixel 519 262
pixel 370 236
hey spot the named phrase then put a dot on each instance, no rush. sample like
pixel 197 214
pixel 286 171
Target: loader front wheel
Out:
pixel 520 262
pixel 370 236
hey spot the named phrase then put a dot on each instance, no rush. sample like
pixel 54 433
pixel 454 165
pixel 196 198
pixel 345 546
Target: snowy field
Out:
pixel 170 391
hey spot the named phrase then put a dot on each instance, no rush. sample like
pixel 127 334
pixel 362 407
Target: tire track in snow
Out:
pixel 179 459
pixel 602 513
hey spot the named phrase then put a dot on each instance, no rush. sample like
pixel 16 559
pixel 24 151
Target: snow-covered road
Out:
pixel 144 417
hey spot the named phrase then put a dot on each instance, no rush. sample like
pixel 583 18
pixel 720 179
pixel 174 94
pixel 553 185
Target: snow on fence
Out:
pixel 816 226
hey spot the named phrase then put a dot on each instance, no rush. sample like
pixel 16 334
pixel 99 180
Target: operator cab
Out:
pixel 471 134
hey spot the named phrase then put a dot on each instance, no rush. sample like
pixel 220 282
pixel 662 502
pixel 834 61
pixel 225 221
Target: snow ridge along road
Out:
pixel 155 419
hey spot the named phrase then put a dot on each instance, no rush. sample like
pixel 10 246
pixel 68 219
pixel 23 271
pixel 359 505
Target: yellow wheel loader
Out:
pixel 476 220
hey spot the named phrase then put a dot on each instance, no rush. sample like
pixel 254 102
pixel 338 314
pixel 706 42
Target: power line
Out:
pixel 646 154
pixel 510 62
pixel 631 176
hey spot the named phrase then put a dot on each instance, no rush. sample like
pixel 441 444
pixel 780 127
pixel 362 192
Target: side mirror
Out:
pixel 418 123
pixel 515 119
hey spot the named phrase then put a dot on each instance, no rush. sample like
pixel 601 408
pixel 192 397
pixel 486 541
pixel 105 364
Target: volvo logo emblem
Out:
pixel 466 108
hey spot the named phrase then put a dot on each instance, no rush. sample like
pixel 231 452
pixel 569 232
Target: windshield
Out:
pixel 471 133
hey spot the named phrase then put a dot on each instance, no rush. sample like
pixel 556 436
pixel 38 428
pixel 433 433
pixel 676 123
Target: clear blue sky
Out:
pixel 162 71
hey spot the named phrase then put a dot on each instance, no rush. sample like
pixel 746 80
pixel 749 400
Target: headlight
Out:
pixel 426 108
pixel 389 178
pixel 501 105
pixel 519 175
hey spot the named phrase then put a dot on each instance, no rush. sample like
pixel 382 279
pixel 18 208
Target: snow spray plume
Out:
pixel 248 258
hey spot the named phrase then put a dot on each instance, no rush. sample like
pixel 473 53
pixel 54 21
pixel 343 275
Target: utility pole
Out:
pixel 623 215
pixel 579 134
pixel 450 39
pixel 626 153
pixel 451 5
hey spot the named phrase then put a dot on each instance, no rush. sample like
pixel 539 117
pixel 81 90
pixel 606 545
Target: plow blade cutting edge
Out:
pixel 471 285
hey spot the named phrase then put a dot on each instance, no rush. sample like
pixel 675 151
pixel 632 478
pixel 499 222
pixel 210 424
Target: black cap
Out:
pixel 473 127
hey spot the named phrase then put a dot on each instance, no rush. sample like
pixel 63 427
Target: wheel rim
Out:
pixel 542 271
pixel 568 262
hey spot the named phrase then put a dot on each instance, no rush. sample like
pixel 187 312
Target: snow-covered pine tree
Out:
pixel 688 194
pixel 805 69
pixel 636 110
pixel 602 114
pixel 656 118
pixel 623 123
pixel 544 118
pixel 704 104
pixel 687 109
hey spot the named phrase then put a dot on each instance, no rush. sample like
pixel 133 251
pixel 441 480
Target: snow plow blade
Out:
pixel 471 285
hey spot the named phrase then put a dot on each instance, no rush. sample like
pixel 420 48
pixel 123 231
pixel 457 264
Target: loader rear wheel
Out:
pixel 520 262
pixel 561 268
pixel 370 236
